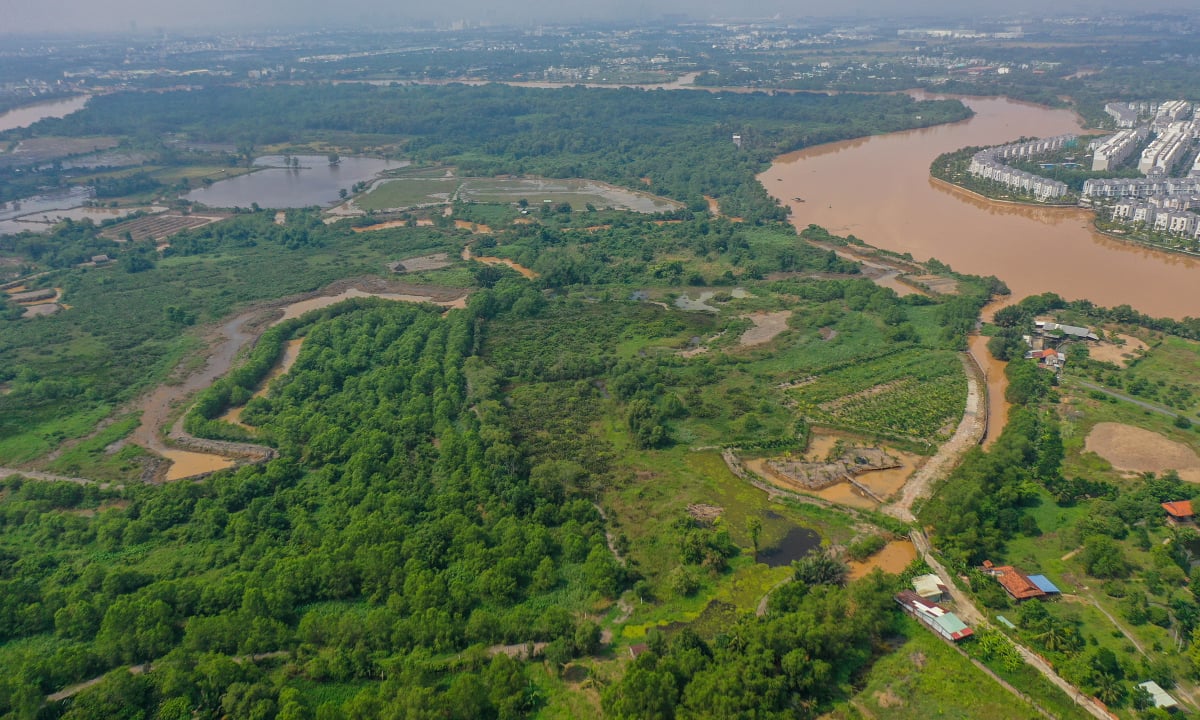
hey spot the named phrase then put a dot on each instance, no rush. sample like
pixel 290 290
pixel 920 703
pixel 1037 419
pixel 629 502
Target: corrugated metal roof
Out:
pixel 1043 584
pixel 1161 698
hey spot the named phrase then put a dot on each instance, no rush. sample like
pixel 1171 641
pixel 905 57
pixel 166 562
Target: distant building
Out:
pixel 943 622
pixel 1072 331
pixel 1122 114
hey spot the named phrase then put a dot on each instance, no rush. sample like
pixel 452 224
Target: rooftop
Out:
pixel 1179 508
pixel 1161 698
pixel 1043 583
pixel 1016 583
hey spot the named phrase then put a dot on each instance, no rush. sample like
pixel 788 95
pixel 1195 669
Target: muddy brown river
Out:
pixel 879 189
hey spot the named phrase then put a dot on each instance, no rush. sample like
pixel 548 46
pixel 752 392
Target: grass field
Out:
pixel 925 678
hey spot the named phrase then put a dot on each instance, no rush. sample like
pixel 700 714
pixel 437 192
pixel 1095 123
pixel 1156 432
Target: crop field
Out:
pixel 159 227
pixel 914 393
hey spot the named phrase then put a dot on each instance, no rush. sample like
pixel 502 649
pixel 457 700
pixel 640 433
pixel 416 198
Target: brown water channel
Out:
pixel 879 189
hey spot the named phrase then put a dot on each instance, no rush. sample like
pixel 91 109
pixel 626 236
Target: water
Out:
pixel 879 189
pixel 36 206
pixel 315 183
pixel 797 543
pixel 28 115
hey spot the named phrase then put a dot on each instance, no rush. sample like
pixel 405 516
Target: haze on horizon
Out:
pixel 88 16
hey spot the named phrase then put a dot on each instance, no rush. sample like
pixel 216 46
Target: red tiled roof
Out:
pixel 1178 508
pixel 1016 583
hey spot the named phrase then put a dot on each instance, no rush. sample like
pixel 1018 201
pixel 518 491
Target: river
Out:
pixel 879 189
pixel 29 114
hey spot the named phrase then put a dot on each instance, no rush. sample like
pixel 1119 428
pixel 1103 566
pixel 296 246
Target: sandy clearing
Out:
pixel 526 272
pixel 766 326
pixel 478 228
pixel 1133 449
pixel 436 261
pixel 1118 355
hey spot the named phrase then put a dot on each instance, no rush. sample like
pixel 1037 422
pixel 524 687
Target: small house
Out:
pixel 1016 583
pixel 930 588
pixel 101 259
pixel 941 621
pixel 1179 512
pixel 1160 697
pixel 637 649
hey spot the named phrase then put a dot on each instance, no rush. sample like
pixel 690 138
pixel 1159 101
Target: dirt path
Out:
pixel 77 688
pixel 1140 403
pixel 50 477
pixel 969 433
pixel 1092 601
pixel 225 342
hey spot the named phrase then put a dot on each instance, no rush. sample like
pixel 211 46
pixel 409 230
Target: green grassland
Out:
pixel 923 677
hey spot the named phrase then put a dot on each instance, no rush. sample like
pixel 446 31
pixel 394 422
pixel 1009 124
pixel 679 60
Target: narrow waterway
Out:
pixel 879 189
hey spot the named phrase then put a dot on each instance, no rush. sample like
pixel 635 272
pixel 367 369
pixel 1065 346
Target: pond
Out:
pixel 39 204
pixel 797 543
pixel 314 182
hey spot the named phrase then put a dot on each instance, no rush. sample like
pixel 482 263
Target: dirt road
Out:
pixel 967 435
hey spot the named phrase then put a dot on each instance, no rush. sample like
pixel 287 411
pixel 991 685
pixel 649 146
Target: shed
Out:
pixel 1161 698
pixel 929 587
pixel 638 649
pixel 942 622
pixel 1043 583
pixel 1179 511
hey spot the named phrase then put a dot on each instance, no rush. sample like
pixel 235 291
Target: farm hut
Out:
pixel 1179 512
pixel 930 587
pixel 942 622
pixel 100 259
pixel 1074 332
pixel 638 649
pixel 1016 583
pixel 1160 696
pixel 1043 583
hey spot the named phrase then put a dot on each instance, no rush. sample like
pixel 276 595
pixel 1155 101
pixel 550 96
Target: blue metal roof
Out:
pixel 1043 583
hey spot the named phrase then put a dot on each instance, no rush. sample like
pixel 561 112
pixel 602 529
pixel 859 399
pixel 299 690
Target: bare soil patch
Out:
pixel 1133 449
pixel 435 261
pixel 936 284
pixel 705 513
pixel 1116 353
pixel 473 227
pixel 766 326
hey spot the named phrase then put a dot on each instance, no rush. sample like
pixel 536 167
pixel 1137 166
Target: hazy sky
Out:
pixel 120 15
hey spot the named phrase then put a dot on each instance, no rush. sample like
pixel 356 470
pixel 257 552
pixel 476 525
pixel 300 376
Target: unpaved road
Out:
pixel 227 340
pixel 967 435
